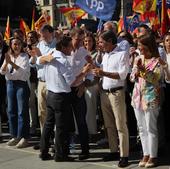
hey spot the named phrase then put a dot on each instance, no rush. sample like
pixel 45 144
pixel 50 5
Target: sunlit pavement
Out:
pixel 27 158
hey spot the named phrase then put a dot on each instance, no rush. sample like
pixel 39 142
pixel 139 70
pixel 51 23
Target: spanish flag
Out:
pixel 24 27
pixel 73 14
pixel 33 20
pixel 7 31
pixel 144 6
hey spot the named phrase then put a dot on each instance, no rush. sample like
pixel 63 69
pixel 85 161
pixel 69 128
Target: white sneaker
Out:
pixel 22 143
pixel 13 142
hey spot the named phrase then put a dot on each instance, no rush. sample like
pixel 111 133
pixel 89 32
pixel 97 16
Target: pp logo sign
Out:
pixel 99 5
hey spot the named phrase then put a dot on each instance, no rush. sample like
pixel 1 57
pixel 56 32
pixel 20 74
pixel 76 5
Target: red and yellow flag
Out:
pixel 7 30
pixel 44 19
pixel 73 14
pixel 33 20
pixel 168 11
pixel 24 27
pixel 155 22
pixel 120 24
pixel 144 6
pixel 164 18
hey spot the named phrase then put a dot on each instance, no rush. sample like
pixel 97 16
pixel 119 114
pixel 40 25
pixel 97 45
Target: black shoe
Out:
pixel 36 147
pixel 123 162
pixel 1 139
pixel 111 156
pixel 83 156
pixel 45 156
pixel 63 159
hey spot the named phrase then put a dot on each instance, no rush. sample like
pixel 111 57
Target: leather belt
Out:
pixel 41 80
pixel 112 90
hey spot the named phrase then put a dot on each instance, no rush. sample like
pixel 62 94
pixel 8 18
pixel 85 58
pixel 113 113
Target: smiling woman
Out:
pixel 16 70
pixel 147 73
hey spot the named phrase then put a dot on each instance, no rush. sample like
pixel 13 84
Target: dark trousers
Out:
pixel 79 110
pixel 166 111
pixel 2 96
pixel 131 120
pixel 59 115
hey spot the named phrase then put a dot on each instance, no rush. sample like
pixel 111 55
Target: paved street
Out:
pixel 27 158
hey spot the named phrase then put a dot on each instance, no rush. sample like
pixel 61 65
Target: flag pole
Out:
pixel 69 3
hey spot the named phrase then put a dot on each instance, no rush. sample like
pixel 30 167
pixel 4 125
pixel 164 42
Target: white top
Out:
pixel 23 73
pixel 124 45
pixel 58 73
pixel 115 61
pixel 168 62
pixel 78 60
pixel 45 49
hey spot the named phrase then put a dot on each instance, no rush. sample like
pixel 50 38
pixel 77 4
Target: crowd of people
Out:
pixel 63 80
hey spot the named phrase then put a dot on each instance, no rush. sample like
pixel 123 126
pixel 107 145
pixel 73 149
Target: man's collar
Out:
pixel 115 50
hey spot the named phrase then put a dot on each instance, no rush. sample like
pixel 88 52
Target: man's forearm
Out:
pixel 110 75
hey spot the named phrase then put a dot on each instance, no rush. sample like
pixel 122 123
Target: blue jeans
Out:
pixel 18 108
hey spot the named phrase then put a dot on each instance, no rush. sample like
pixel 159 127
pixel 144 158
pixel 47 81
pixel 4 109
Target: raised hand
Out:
pixel 7 58
pixel 97 71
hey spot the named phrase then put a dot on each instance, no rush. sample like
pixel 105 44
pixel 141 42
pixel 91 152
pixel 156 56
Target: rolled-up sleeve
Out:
pixel 67 72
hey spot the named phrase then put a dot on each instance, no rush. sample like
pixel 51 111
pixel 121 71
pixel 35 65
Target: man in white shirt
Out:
pixel 114 69
pixel 59 77
pixel 78 60
pixel 44 47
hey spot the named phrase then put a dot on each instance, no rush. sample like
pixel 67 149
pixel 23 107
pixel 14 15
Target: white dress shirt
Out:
pixel 45 49
pixel 23 73
pixel 124 45
pixel 59 74
pixel 116 61
pixel 77 61
pixel 168 62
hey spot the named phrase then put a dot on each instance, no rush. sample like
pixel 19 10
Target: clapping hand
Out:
pixel 34 52
pixel 7 58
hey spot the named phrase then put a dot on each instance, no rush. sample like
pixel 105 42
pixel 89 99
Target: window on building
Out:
pixel 46 2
